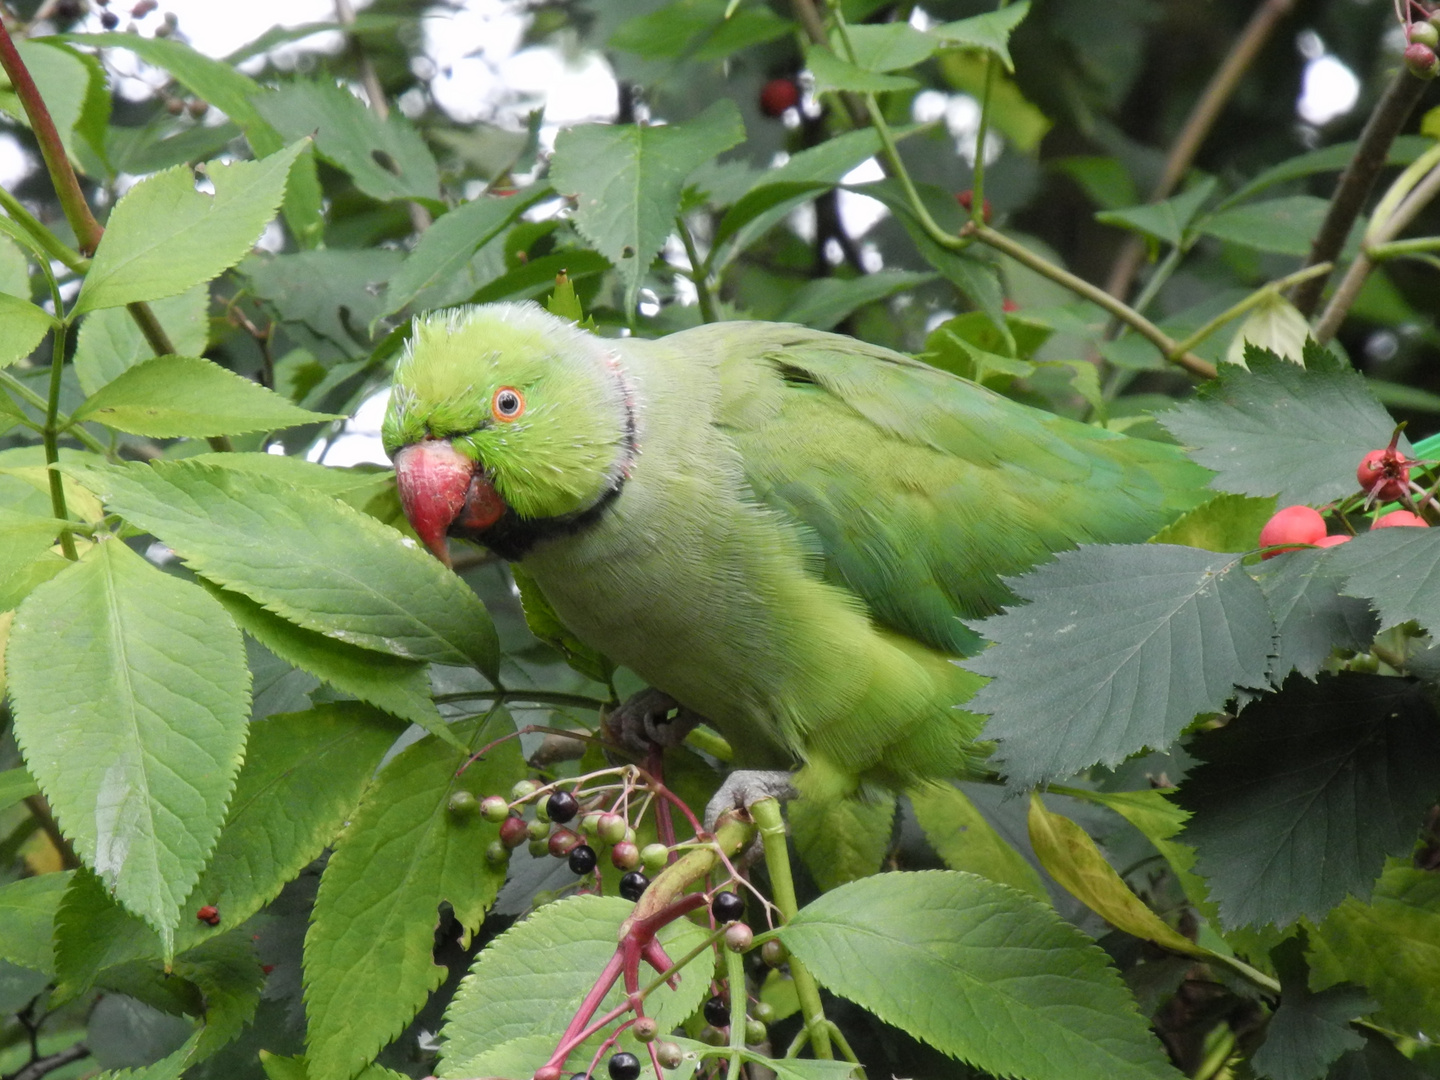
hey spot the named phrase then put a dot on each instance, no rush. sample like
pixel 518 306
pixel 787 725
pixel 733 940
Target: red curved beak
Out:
pixel 434 479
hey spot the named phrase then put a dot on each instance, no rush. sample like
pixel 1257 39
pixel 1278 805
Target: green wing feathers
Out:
pixel 923 490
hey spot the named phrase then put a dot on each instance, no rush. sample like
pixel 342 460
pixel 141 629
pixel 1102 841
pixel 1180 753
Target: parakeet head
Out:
pixel 506 424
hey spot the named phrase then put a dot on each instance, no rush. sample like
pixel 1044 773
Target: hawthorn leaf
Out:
pixel 1299 800
pixel 1168 221
pixel 27 919
pixel 22 327
pixel 965 839
pixel 109 342
pixel 1397 571
pixel 130 695
pixel 277 545
pixel 164 236
pixel 1120 647
pixel 1281 429
pixel 169 397
pixel 628 178
pixel 1308 1031
pixel 979 971
pixel 368 954
pixel 842 839
pixel 1390 946
pixel 1312 618
pixel 1227 523
pixel 530 980
pixel 387 159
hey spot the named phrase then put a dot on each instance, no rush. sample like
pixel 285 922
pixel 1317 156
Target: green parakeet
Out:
pixel 782 529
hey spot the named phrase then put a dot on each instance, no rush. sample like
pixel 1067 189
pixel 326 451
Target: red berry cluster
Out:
pixel 1423 36
pixel 209 914
pixel 1384 477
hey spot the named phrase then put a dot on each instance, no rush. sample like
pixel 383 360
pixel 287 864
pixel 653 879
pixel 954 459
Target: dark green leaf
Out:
pixel 1119 650
pixel 1398 574
pixel 698 30
pixel 131 693
pixel 965 839
pixel 842 839
pixel 1301 798
pixel 1284 226
pixel 336 293
pixel 1166 221
pixel 1312 619
pixel 537 276
pixel 368 962
pixel 387 158
pixel 890 46
pixel 278 546
pixel 172 396
pixel 27 919
pixel 627 180
pixel 1379 1060
pixel 165 236
pixel 1006 984
pixel 1334 158
pixel 1308 1031
pixel 823 303
pixel 1281 429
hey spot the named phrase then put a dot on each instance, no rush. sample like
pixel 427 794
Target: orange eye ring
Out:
pixel 508 404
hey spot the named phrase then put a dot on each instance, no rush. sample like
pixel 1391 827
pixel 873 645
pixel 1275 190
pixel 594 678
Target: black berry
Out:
pixel 633 884
pixel 582 859
pixel 624 1067
pixel 727 907
pixel 717 1011
pixel 109 20
pixel 561 807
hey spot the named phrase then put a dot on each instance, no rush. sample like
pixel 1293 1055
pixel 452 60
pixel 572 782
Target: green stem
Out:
pixel 1398 248
pixel 766 813
pixel 665 976
pixel 50 437
pixel 1254 300
pixel 46 239
pixel 539 697
pixel 62 421
pixel 698 273
pixel 1415 172
pixel 1157 280
pixel 1096 295
pixel 735 977
pixel 977 171
pixel 67 185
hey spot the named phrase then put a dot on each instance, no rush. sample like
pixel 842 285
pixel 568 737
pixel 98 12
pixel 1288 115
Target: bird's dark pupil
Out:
pixel 508 403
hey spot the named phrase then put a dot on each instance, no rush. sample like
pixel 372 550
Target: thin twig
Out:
pixel 40 811
pixel 1202 118
pixel 1255 299
pixel 1355 183
pixel 697 272
pixel 814 27
pixel 50 1063
pixel 41 235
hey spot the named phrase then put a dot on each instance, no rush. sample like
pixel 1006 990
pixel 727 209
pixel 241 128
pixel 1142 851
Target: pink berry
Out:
pixel 1400 517
pixel 1332 541
pixel 777 95
pixel 1421 61
pixel 1292 525
pixel 966 199
pixel 1384 474
pixel 513 832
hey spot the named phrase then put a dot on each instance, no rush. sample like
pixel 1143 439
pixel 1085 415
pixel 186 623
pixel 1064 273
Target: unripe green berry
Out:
pixel 539 848
pixel 763 1011
pixel 541 814
pixel 496 853
pixel 523 789
pixel 739 937
pixel 462 805
pixel 590 824
pixel 494 809
pixel 629 836
pixel 1424 33
pixel 611 828
pixel 773 953
pixel 654 857
pixel 713 1036
pixel 538 830
pixel 754 1032
pixel 669 1055
pixel 645 1029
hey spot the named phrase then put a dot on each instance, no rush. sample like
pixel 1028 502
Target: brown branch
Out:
pixel 814 28
pixel 1197 126
pixel 48 1064
pixel 1354 185
pixel 67 185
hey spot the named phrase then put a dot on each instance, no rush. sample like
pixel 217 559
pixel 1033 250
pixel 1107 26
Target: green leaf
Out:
pixel 1334 158
pixel 1280 429
pixel 824 302
pixel 1398 575
pixel 169 397
pixel 889 46
pixel 23 537
pixel 165 236
pixel 1301 798
pixel 1119 649
pixel 540 617
pixel 627 180
pixel 336 293
pixel 230 979
pixel 387 159
pixel 980 971
pixel 1391 946
pixel 368 962
pixel 294 1068
pixel 1158 819
pixel 965 839
pixel 698 30
pixel 401 687
pixel 1308 1031
pixel 63 80
pixel 1072 859
pixel 16 784
pixel 130 695
pixel 537 276
pixel 278 546
pixel 1227 523
pixel 22 327
pixel 529 981
pixel 1283 226
pixel 451 242
pixel 170 1067
pixel 1105 181
pixel 1275 325
pixel 1167 221
pixel 109 342
pixel 833 74
pixel 94 934
pixel 1312 619
pixel 842 839
pixel 27 919
pixel 1379 1061
pixel 990 31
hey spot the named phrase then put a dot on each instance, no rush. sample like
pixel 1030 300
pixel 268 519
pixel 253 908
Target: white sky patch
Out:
pixel 1329 90
pixel 860 213
pixel 15 163
pixel 359 443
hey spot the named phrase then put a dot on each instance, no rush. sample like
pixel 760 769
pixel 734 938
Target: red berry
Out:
pixel 514 832
pixel 1421 61
pixel 625 856
pixel 208 914
pixel 966 199
pixel 1292 525
pixel 1332 541
pixel 267 968
pixel 563 842
pixel 739 937
pixel 1400 517
pixel 1384 474
pixel 1007 305
pixel 777 95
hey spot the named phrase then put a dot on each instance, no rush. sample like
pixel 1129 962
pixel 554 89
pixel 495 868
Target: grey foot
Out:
pixel 745 787
pixel 649 719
